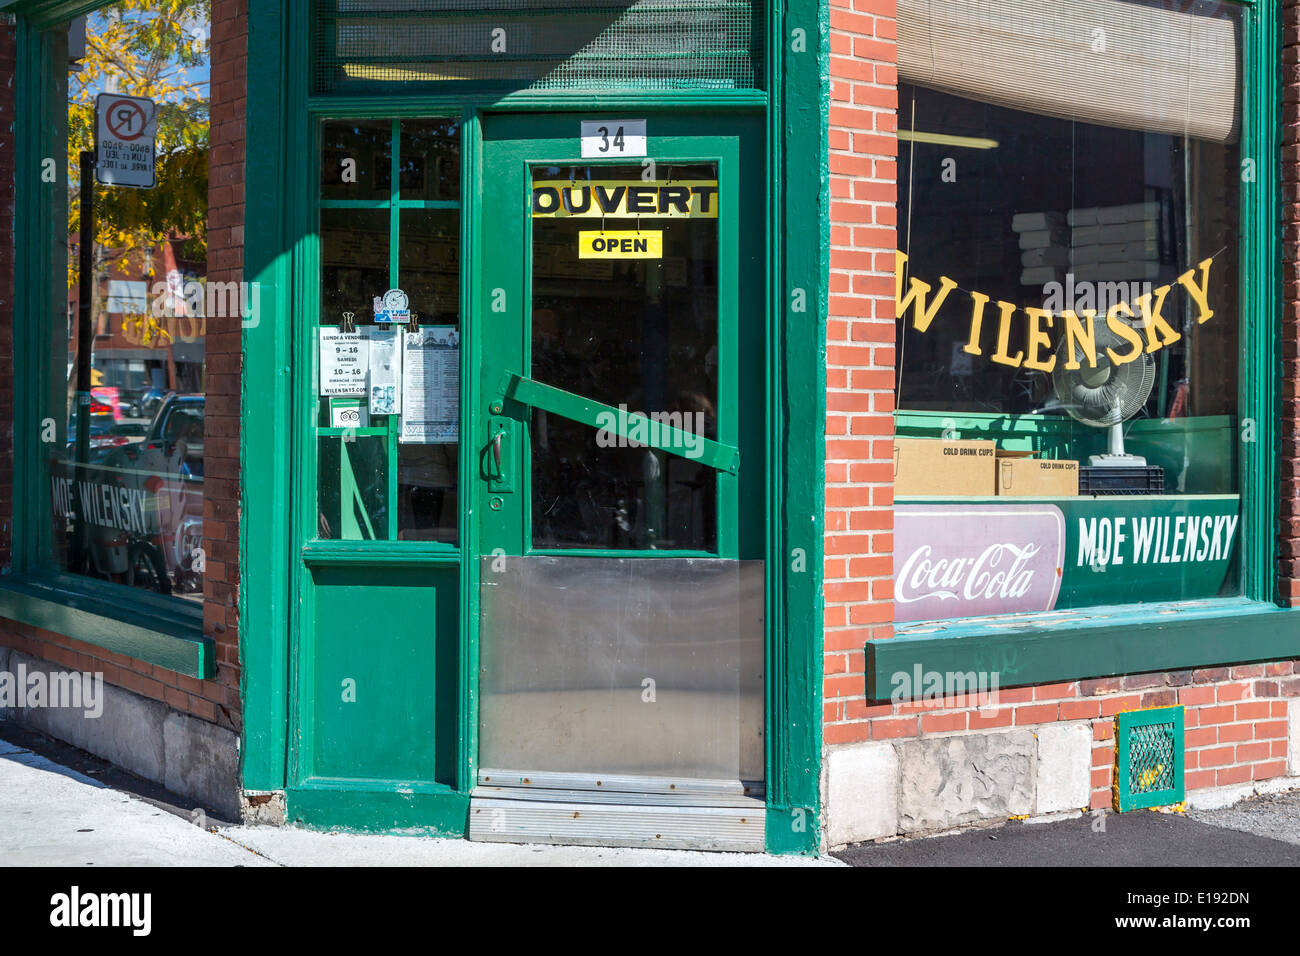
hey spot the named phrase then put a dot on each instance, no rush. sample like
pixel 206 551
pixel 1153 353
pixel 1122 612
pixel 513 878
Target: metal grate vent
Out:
pixel 538 44
pixel 1149 758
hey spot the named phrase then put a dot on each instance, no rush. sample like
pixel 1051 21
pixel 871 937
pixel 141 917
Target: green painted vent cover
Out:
pixel 1149 758
pixel 538 44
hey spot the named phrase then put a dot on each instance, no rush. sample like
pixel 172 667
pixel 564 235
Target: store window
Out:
pixel 122 416
pixel 1069 305
pixel 388 379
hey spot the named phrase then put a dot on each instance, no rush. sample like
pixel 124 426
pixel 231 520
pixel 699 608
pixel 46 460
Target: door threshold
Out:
pixel 582 809
pixel 501 819
pixel 680 789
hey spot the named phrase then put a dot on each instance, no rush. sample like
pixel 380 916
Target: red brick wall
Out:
pixel 859 354
pixel 1289 512
pixel 215 700
pixel 223 350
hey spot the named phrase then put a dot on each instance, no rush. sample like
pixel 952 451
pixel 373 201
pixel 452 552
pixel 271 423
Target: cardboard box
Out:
pixel 1020 476
pixel 931 466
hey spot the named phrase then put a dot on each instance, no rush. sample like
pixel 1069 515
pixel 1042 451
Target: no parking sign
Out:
pixel 125 130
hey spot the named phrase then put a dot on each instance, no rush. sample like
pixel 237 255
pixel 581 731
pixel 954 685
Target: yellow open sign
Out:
pixel 621 244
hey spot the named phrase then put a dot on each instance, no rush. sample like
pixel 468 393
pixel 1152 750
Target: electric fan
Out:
pixel 1106 396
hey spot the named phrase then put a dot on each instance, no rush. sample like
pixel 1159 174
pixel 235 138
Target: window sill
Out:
pixel 153 629
pixel 1055 646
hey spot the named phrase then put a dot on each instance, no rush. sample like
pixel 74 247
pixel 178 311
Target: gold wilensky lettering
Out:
pixel 1078 328
pixel 922 314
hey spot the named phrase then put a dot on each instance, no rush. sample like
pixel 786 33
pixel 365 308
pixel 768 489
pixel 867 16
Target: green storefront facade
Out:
pixel 607 546
pixel 360 649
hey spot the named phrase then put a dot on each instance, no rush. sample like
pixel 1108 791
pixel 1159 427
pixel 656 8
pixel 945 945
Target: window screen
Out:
pixel 539 44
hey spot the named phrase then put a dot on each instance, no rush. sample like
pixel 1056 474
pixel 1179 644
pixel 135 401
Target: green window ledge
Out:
pixel 1057 646
pixel 162 631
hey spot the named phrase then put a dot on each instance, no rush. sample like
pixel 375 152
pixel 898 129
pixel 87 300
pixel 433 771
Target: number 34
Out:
pixel 604 139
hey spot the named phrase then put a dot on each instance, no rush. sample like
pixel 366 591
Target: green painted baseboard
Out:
pixel 444 813
pixel 1060 646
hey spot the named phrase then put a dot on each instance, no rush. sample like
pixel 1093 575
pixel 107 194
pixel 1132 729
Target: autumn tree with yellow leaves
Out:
pixel 156 49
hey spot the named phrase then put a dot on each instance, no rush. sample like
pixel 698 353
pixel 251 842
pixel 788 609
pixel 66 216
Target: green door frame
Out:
pixel 279 196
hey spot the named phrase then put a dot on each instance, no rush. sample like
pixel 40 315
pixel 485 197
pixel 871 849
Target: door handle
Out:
pixel 499 457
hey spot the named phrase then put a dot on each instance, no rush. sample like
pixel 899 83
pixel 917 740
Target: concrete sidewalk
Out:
pixel 54 815
pixel 62 807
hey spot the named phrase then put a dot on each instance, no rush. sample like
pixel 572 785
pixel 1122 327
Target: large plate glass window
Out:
pixel 122 406
pixel 1069 304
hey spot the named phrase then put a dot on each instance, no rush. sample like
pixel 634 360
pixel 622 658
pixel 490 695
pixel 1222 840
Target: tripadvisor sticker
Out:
pixel 621 244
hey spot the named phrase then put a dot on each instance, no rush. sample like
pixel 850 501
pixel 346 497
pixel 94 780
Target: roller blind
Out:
pixel 1106 62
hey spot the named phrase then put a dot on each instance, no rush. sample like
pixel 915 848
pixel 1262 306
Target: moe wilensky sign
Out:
pixel 965 560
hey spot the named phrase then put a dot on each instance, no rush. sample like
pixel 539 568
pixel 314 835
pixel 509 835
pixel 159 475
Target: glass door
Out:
pixel 621 485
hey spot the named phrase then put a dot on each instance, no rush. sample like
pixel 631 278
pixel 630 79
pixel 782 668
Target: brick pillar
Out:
pixel 863 148
pixel 223 345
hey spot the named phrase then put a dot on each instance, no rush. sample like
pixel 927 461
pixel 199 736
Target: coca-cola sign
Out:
pixel 953 561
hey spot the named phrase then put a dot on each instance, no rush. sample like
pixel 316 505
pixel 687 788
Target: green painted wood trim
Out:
pixel 473 298
pixel 1259 330
pixel 46 13
pixel 1097 642
pixel 594 414
pixel 174 641
pixel 383 553
pixel 798 239
pixel 265 444
pixel 33 219
pixel 374 810
pixel 388 204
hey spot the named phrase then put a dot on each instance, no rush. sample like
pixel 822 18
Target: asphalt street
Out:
pixel 1263 831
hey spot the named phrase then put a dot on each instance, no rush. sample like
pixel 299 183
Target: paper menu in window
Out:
pixel 344 362
pixel 431 386
pixel 385 363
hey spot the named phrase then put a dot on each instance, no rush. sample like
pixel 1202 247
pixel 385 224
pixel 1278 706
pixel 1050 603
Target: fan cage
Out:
pixel 1123 395
pixel 538 44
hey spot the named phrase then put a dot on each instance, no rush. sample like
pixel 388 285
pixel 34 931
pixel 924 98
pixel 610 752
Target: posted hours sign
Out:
pixel 125 130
